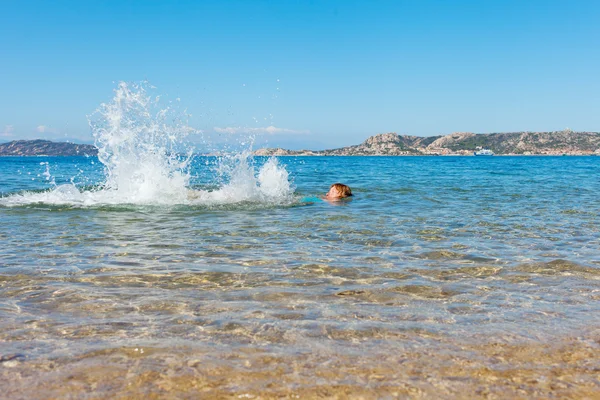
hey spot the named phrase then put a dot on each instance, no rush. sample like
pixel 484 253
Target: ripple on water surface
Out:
pixel 496 295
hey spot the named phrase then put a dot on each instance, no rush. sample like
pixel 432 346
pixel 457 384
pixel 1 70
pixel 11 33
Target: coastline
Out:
pixel 427 155
pixel 335 155
pixel 556 143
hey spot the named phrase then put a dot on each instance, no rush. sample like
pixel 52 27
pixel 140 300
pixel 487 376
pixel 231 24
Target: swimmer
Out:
pixel 338 191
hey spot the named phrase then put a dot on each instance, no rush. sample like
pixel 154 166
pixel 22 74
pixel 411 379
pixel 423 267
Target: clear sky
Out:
pixel 309 73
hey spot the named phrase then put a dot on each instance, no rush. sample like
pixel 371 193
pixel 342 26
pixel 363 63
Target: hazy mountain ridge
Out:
pixel 45 148
pixel 465 143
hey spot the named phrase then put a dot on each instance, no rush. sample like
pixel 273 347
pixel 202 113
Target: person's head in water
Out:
pixel 338 191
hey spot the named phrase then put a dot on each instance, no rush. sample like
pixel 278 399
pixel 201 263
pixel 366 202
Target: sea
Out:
pixel 149 273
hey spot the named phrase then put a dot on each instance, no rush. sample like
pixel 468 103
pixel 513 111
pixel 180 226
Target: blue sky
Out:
pixel 306 73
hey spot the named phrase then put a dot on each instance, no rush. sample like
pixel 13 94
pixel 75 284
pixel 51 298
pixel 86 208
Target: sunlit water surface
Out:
pixel 442 276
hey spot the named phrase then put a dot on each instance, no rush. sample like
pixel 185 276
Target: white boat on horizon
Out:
pixel 483 152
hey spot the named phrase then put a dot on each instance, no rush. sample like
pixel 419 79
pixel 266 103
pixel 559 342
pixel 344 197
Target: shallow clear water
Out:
pixel 435 261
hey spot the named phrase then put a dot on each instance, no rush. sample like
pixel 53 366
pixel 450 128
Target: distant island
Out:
pixel 46 148
pixel 462 143
pixel 387 144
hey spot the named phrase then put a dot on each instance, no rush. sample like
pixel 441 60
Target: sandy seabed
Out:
pixel 566 368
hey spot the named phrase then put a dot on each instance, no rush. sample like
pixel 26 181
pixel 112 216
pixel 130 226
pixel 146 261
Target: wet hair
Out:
pixel 343 189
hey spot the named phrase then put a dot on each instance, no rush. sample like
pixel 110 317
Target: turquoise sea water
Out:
pixel 429 250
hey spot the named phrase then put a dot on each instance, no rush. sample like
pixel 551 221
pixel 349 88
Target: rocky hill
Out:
pixel 465 143
pixel 45 148
pixel 461 143
pixel 387 144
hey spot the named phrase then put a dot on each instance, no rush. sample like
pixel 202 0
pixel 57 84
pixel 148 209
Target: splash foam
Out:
pixel 147 160
pixel 270 185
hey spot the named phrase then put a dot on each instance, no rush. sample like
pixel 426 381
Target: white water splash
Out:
pixel 146 159
pixel 270 185
pixel 138 143
pixel 47 175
